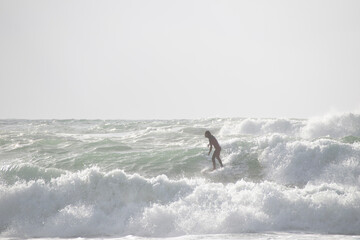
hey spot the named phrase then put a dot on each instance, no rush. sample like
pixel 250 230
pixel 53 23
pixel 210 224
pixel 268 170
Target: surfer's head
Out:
pixel 207 134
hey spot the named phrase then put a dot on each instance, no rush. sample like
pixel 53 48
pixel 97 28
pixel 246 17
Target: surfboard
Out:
pixel 207 170
pixel 211 170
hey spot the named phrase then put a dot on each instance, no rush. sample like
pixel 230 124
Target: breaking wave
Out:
pixel 150 178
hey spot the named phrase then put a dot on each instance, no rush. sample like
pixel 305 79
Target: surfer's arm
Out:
pixel 210 148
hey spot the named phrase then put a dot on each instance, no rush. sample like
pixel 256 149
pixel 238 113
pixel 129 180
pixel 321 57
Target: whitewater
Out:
pixel 149 179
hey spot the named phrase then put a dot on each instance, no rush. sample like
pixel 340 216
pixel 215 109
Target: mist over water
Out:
pixel 95 178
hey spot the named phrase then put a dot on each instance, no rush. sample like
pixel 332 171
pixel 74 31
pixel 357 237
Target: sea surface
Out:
pixel 151 179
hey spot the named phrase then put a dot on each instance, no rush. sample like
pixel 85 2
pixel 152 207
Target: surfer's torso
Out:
pixel 214 142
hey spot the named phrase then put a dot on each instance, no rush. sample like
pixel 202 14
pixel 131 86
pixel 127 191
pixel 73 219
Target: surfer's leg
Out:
pixel 213 161
pixel 218 157
pixel 220 162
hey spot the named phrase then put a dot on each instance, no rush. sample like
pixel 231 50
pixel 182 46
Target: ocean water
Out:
pixel 116 179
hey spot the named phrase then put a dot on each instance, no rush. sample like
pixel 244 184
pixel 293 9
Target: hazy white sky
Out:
pixel 178 59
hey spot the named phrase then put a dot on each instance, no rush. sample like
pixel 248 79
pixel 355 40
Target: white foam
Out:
pixel 251 207
pixel 93 203
pixel 86 203
pixel 297 162
pixel 334 126
pixel 254 126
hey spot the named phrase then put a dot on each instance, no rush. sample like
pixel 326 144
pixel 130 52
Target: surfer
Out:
pixel 216 154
